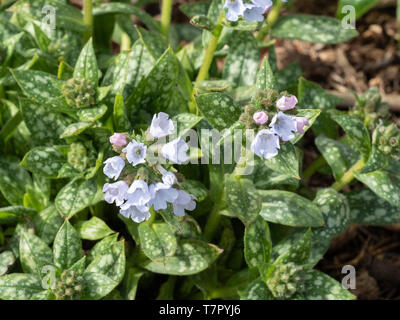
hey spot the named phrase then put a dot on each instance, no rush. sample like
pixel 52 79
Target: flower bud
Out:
pixel 78 93
pixel 260 117
pixel 119 139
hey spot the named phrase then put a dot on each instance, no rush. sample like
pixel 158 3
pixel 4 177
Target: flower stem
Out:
pixel 271 18
pixel 348 176
pixel 212 222
pixel 166 17
pixel 88 18
pixel 209 53
pixel 125 42
pixel 314 167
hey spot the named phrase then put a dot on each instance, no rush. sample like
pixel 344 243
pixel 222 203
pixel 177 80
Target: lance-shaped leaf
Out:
pixel 336 212
pixel 102 246
pixel 377 160
pixel 257 243
pixel 265 77
pixel 93 229
pixel 75 196
pixel 67 247
pixel 109 262
pixel 97 285
pixel 7 259
pixel 242 199
pixel 241 64
pixel 45 126
pixel 13 214
pixel 355 130
pixel 184 122
pixel 86 66
pixel 289 209
pixel 34 253
pixel 367 208
pixel 47 223
pixel 13 180
pixel 286 162
pixel 257 290
pixel 340 156
pixel 320 286
pixel 75 128
pixel 384 183
pixel 311 28
pixel 130 283
pixel 92 114
pixel 158 241
pixel 21 286
pixel 219 109
pixel 299 252
pixel 191 257
pixel 44 161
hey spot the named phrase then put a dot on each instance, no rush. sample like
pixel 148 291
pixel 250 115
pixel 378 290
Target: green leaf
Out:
pixel 367 208
pixel 219 109
pixel 13 180
pixel 191 257
pixel 257 290
pixel 13 214
pixel 336 212
pixel 75 128
pixel 121 121
pixel 298 252
pixel 311 28
pixel 384 183
pixel 257 243
pixel 377 160
pixel 285 162
pixel 184 122
pixel 130 283
pixel 67 247
pixel 86 65
pixel 157 241
pixel 288 77
pixel 75 196
pixel 265 77
pixel 195 8
pixel 7 259
pixel 241 64
pixel 109 262
pixel 289 209
pixel 79 266
pixel 97 285
pixel 20 286
pixel 45 126
pixel 44 161
pixel 91 114
pixel 320 286
pixel 340 156
pixel 93 229
pixel 195 188
pixel 34 253
pixel 242 199
pixel 360 7
pixel 355 130
pixel 154 93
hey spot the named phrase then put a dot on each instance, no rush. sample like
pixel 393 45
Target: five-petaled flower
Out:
pixel 184 201
pixel 235 9
pixel 115 192
pixel 162 193
pixel 135 152
pixel 113 167
pixel 176 151
pixel 161 125
pixel 136 213
pixel 284 126
pixel 265 144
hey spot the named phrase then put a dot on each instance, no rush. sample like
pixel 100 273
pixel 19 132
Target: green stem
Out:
pixel 125 42
pixel 209 53
pixel 314 167
pixel 212 222
pixel 348 176
pixel 88 18
pixel 271 18
pixel 166 17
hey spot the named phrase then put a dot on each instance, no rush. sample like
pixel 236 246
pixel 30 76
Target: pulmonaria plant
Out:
pixel 145 183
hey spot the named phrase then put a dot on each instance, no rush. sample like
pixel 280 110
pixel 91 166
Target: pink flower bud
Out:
pixel 301 122
pixel 260 117
pixel 118 139
pixel 287 103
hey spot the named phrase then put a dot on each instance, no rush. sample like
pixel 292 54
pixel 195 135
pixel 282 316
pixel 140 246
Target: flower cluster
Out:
pixel 252 11
pixel 281 127
pixel 146 183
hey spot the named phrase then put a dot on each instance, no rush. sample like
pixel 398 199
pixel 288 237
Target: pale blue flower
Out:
pixel 135 152
pixel 113 167
pixel 115 192
pixel 284 126
pixel 161 194
pixel 265 144
pixel 169 178
pixel 136 213
pixel 235 9
pixel 176 151
pixel 184 201
pixel 138 194
pixel 161 126
pixel 256 10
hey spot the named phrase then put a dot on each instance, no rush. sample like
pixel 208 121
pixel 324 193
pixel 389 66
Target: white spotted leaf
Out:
pixel 86 65
pixel 21 286
pixel 93 229
pixel 44 161
pixel 47 223
pixel 257 243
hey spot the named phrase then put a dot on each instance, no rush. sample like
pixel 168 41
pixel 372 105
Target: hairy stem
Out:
pixel 209 53
pixel 348 176
pixel 314 167
pixel 166 17
pixel 88 18
pixel 271 18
